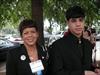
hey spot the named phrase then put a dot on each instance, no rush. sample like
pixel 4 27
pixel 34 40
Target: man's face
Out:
pixel 76 25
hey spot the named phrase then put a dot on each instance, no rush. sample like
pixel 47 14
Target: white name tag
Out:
pixel 36 66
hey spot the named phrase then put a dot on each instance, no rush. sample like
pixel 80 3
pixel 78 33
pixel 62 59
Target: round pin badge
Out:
pixel 23 57
pixel 42 57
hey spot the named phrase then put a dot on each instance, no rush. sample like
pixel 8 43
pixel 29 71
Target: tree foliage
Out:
pixel 55 10
pixel 12 11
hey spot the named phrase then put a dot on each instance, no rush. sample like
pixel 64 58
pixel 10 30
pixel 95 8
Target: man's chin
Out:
pixel 79 34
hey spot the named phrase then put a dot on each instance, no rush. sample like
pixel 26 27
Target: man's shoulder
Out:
pixel 88 43
pixel 59 41
pixel 86 40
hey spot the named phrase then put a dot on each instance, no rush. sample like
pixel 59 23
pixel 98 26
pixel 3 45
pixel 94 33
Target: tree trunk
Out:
pixel 37 15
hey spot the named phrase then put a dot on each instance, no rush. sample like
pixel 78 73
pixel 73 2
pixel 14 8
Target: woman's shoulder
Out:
pixel 14 49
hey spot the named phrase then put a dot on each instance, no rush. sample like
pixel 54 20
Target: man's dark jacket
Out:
pixel 70 56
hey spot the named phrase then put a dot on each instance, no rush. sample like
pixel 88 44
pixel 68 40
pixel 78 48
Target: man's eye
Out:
pixel 73 20
pixel 81 20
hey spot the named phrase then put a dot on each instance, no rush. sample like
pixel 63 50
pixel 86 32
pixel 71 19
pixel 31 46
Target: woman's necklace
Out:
pixel 33 58
pixel 33 55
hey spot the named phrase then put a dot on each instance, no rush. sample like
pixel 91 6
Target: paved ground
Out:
pixel 98 50
pixel 2 68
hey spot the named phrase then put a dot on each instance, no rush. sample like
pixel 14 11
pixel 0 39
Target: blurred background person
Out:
pixel 86 33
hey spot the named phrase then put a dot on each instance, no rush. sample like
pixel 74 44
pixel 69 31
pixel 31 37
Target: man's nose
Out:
pixel 78 23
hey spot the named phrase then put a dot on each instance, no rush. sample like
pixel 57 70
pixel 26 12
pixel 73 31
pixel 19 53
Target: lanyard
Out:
pixel 39 73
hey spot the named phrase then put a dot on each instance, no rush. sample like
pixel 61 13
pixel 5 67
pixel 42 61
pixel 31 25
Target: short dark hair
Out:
pixel 27 23
pixel 75 12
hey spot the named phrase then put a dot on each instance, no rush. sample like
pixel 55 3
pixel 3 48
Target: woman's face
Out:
pixel 30 36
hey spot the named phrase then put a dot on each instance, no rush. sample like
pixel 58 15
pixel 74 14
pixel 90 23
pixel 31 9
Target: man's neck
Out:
pixel 77 35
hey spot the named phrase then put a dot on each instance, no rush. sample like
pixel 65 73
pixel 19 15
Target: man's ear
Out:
pixel 67 22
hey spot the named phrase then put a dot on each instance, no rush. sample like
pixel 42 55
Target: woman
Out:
pixel 29 58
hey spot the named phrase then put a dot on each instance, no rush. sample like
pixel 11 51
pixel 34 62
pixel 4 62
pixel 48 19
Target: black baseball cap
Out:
pixel 75 12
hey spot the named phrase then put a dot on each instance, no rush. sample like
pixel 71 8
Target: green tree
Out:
pixel 54 9
pixel 13 11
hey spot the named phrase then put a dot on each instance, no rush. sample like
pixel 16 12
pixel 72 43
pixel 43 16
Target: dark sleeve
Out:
pixel 88 56
pixel 56 64
pixel 11 64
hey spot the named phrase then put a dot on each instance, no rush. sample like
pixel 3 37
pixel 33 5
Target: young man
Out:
pixel 72 54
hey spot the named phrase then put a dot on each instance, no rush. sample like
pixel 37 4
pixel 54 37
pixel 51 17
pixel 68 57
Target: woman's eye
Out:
pixel 26 33
pixel 32 31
